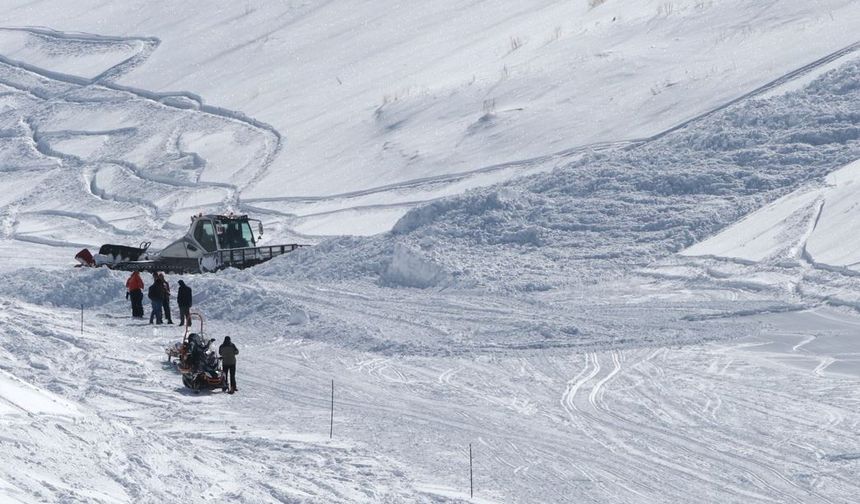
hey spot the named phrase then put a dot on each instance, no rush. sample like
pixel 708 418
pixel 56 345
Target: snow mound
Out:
pixel 409 268
pixel 474 203
pixel 237 296
pixel 632 206
pixel 73 288
pixel 332 259
pixel 297 317
pixel 609 210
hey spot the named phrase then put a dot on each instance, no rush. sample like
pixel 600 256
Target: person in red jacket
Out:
pixel 134 284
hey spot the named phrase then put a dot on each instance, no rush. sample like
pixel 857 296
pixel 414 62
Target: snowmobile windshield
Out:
pixel 234 234
pixel 204 233
pixel 247 234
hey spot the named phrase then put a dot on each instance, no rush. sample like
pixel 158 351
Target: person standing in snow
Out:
pixel 165 302
pixel 228 353
pixel 156 297
pixel 134 284
pixel 183 299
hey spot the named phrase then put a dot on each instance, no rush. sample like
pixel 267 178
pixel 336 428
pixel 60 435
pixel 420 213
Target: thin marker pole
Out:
pixel 331 426
pixel 82 319
pixel 471 484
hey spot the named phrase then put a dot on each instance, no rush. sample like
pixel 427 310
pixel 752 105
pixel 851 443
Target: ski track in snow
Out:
pixel 586 399
pixel 159 196
pixel 625 419
pixel 639 440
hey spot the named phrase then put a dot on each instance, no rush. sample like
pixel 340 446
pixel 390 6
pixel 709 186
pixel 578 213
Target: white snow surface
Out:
pixel 608 248
pixel 337 117
pixel 827 213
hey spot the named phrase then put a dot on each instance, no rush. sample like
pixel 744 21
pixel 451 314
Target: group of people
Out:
pixel 159 297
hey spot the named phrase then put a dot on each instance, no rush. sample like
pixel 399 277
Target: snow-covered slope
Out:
pixel 361 110
pixel 541 321
pixel 608 210
pixel 818 224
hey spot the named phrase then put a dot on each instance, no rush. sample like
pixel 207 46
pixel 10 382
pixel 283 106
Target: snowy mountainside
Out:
pixel 527 306
pixel 353 96
pixel 610 209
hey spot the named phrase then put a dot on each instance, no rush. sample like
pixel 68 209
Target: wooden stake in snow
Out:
pixel 82 319
pixel 471 485
pixel 331 425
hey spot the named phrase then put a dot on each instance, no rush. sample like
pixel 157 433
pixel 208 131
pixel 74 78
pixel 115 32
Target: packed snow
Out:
pixel 607 248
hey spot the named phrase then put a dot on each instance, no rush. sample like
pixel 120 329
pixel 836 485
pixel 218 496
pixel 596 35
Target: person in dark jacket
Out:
pixel 228 353
pixel 183 299
pixel 134 284
pixel 156 297
pixel 165 301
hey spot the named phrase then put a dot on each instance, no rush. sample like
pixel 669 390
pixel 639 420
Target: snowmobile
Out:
pixel 213 242
pixel 179 350
pixel 201 368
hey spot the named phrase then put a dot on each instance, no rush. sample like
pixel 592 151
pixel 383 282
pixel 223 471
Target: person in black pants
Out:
pixel 165 302
pixel 183 299
pixel 228 353
pixel 134 284
pixel 156 295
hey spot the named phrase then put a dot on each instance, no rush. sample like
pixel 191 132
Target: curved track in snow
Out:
pixel 47 104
